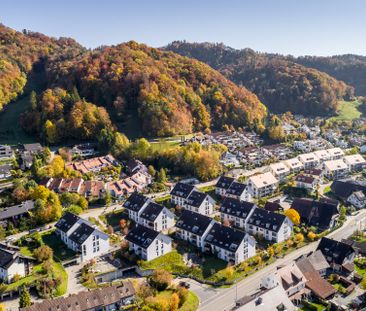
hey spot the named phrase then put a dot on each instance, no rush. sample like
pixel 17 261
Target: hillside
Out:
pixel 168 93
pixel 281 84
pixel 348 68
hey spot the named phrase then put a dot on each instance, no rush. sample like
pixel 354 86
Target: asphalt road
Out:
pixel 224 299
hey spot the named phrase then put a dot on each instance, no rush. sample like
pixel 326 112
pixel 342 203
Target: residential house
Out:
pixel 266 299
pixel 319 262
pixel 357 199
pixel 156 216
pixel 193 227
pixel 82 237
pixel 223 184
pixel 293 282
pixel 279 170
pixel 229 159
pixel 5 171
pixel 134 166
pixel 6 152
pixel 339 255
pixel 309 160
pixel 323 155
pixel 335 169
pixel 107 298
pixel 180 193
pixel 343 189
pixel 314 172
pixel 93 165
pixel 229 244
pixel 273 207
pixel 135 204
pixel 11 264
pixel 200 202
pixel 92 189
pixel 271 226
pixel 306 182
pixel 294 164
pixel 61 185
pixel 318 286
pixel 321 214
pixel 355 162
pixel 262 185
pixel 34 149
pixel 83 150
pixel 15 212
pixel 147 243
pixel 28 152
pixel 238 191
pixel 335 153
pixel 236 212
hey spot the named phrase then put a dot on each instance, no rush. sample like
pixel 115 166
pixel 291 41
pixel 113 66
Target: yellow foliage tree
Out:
pixel 311 236
pixel 174 302
pixel 293 215
pixel 299 237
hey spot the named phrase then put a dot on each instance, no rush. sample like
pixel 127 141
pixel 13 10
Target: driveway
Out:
pixel 73 285
pixel 204 292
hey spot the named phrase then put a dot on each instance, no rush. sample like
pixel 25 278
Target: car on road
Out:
pixel 184 284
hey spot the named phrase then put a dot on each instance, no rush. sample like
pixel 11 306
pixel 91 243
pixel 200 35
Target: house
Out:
pixel 335 169
pixel 229 159
pixel 61 185
pixel 309 160
pixel 5 171
pixel 82 237
pixel 93 165
pixel 147 243
pixel 134 166
pixel 271 226
pixel 11 264
pixel 193 227
pixel 102 299
pixel 293 282
pixel 357 199
pixel 318 286
pixel 156 216
pixel 83 150
pixel 279 170
pixel 323 155
pixel 338 254
pixel 313 172
pixel 200 202
pixel 273 207
pixel 6 152
pixel 33 149
pixel 236 212
pixel 15 212
pixel 238 191
pixel 294 164
pixel 266 299
pixel 223 184
pixel 321 214
pixel 335 153
pixel 306 182
pixel 262 185
pixel 92 189
pixel 26 160
pixel 355 162
pixel 135 204
pixel 229 244
pixel 180 193
pixel 344 188
pixel 319 262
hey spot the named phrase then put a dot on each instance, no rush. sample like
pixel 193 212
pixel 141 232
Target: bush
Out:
pixel 161 279
pixel 43 253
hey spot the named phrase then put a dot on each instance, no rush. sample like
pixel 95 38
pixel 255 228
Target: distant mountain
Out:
pixel 279 82
pixel 349 68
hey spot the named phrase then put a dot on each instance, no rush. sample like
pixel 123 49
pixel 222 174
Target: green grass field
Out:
pixel 348 110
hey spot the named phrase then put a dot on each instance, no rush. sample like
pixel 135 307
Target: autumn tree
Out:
pixel 293 215
pixel 25 298
pixel 47 205
pixel 43 253
pixel 161 279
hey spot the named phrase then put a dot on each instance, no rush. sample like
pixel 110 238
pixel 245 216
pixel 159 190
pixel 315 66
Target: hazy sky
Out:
pixel 317 27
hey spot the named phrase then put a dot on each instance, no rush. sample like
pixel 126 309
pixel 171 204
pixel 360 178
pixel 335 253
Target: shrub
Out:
pixel 161 279
pixel 43 253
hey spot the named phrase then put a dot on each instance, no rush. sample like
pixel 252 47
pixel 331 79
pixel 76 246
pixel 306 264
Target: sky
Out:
pixel 297 27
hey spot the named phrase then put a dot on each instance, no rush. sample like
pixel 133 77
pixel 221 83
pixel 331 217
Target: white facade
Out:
pixel 195 239
pixel 283 233
pixel 355 162
pixel 323 155
pixel 206 207
pixel 262 185
pixel 164 221
pixel 294 164
pixel 6 152
pixel 335 153
pixel 159 247
pixel 279 170
pixel 16 268
pixel 309 160
pixel 335 169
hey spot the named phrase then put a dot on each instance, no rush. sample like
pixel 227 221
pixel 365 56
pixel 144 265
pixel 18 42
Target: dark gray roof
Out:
pixel 151 211
pixel 6 258
pixel 266 219
pixel 334 251
pixel 196 198
pixel 305 179
pixel 237 208
pixel 225 237
pixel 273 206
pixel 67 221
pixel 344 188
pixel 182 190
pixel 16 210
pixel 236 188
pixel 5 169
pixel 224 182
pixel 193 222
pixel 80 235
pixel 135 202
pixel 142 236
pixel 313 171
pixel 33 148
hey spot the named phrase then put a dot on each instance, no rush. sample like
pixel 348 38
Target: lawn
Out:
pixel 319 307
pixel 172 262
pixel 348 110
pixel 191 304
pixel 113 219
pixel 163 145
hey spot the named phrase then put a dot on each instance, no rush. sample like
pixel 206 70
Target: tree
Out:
pixel 25 298
pixel 50 132
pixel 2 233
pixel 311 236
pixel 43 253
pixel 33 100
pixel 161 279
pixel 299 237
pixel 270 251
pixel 151 170
pixel 363 283
pixel 161 176
pixel 107 198
pixel 183 295
pixel 2 307
pixel 293 215
pixel 174 302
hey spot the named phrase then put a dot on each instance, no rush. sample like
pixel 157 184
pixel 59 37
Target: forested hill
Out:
pixel 280 83
pixel 20 51
pixel 171 94
pixel 348 68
